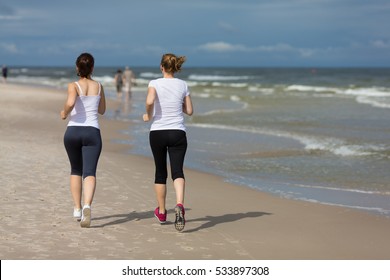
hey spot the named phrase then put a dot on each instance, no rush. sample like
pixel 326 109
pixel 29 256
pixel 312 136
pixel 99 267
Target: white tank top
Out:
pixel 85 111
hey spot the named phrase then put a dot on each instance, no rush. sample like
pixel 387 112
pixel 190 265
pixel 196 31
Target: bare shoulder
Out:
pixel 72 86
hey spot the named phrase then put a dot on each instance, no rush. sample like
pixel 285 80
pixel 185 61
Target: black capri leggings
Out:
pixel 83 145
pixel 175 143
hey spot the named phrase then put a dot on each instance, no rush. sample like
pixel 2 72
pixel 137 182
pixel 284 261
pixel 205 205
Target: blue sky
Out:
pixel 292 33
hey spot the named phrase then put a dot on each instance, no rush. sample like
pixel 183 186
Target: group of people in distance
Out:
pixel 168 99
pixel 123 82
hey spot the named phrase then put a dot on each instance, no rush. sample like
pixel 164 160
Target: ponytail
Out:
pixel 172 63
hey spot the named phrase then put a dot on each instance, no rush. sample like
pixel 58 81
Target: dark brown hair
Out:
pixel 85 63
pixel 172 63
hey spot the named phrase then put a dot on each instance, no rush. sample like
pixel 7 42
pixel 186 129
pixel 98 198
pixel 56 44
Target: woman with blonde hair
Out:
pixel 167 99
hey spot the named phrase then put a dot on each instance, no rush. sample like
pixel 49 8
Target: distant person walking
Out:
pixel 82 138
pixel 128 81
pixel 4 71
pixel 167 99
pixel 118 78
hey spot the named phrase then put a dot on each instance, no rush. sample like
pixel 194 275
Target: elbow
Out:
pixel 101 111
pixel 189 110
pixel 149 103
pixel 69 105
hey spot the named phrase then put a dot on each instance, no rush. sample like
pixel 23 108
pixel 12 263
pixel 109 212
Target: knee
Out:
pixel 177 175
pixel 160 180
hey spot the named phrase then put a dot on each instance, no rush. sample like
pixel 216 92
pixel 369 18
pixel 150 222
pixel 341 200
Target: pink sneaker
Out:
pixel 162 218
pixel 180 221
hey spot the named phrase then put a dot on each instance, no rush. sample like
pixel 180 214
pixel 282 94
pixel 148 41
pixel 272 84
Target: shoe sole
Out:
pixel 86 221
pixel 179 221
pixel 161 222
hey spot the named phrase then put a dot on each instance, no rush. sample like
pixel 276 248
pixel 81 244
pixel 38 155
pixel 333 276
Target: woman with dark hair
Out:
pixel 167 99
pixel 82 138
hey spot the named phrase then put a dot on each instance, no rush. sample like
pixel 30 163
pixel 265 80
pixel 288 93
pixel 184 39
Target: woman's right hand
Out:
pixel 63 115
pixel 145 117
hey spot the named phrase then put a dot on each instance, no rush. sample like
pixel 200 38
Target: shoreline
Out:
pixel 224 221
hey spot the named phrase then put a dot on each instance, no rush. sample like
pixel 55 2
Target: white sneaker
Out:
pixel 77 214
pixel 86 217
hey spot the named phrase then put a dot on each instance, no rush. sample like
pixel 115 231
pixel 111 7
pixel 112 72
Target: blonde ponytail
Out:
pixel 172 63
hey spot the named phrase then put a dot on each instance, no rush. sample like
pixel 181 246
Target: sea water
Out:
pixel 321 135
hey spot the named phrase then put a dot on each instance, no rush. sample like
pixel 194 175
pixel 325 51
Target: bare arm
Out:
pixel 149 105
pixel 70 102
pixel 187 106
pixel 102 103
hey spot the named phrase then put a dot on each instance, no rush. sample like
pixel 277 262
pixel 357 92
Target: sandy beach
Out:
pixel 224 221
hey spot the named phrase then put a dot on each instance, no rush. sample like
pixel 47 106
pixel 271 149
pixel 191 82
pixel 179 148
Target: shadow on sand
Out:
pixel 209 221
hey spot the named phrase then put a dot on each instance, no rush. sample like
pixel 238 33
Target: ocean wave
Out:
pixel 335 146
pixel 343 189
pixel 370 91
pixel 378 97
pixel 379 103
pixel 150 75
pixel 105 79
pixel 197 77
pixel 304 88
pixel 225 111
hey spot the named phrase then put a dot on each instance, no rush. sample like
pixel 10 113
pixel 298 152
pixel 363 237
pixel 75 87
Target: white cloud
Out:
pixel 9 17
pixel 9 48
pixel 221 47
pixel 278 48
pixel 381 44
pixel 226 26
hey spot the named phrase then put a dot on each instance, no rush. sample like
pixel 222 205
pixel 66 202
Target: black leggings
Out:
pixel 83 145
pixel 175 143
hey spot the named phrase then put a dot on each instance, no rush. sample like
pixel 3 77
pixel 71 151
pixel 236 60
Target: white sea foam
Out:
pixel 235 98
pixel 238 85
pixel 150 75
pixel 373 102
pixel 375 96
pixel 312 89
pixel 225 111
pixel 202 95
pixel 369 92
pixel 333 145
pixel 342 189
pixel 197 77
pixel 104 79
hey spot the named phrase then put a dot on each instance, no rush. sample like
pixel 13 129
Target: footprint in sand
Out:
pixel 153 239
pixel 184 246
pixel 166 253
